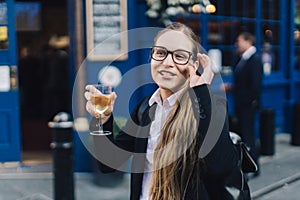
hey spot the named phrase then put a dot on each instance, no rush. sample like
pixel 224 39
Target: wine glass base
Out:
pixel 100 133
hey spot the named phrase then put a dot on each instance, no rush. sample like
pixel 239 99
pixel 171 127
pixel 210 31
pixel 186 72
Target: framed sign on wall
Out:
pixel 106 23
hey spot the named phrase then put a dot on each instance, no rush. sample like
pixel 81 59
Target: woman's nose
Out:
pixel 169 60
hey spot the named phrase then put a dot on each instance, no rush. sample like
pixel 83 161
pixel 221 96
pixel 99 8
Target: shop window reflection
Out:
pixel 214 34
pixel 226 8
pixel 297 35
pixel 3 37
pixel 3 25
pixel 269 59
pixel 225 32
pixel 244 8
pixel 297 59
pixel 270 9
pixel 3 12
pixel 270 33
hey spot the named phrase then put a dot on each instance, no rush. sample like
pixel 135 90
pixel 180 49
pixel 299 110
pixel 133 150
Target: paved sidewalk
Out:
pixel 280 174
pixel 279 179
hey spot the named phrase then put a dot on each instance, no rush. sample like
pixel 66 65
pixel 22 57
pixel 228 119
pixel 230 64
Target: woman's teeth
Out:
pixel 164 73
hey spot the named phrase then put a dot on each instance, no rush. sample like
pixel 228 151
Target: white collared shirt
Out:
pixel 248 53
pixel 163 110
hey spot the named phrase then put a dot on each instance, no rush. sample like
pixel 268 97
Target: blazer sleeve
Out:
pixel 217 149
pixel 117 149
pixel 256 74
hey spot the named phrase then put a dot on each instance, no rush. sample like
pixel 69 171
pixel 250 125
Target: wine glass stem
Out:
pixel 100 124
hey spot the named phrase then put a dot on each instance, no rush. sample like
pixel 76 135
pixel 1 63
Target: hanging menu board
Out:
pixel 106 22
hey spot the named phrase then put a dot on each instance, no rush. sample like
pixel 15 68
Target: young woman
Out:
pixel 183 150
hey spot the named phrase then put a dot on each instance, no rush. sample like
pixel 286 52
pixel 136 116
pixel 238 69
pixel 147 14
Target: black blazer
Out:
pixel 219 159
pixel 247 82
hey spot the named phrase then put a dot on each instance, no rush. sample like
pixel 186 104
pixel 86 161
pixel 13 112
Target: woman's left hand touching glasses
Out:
pixel 207 75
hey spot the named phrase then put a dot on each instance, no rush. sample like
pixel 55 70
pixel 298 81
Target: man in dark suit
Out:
pixel 246 89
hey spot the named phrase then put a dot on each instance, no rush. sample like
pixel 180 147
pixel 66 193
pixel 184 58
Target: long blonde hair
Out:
pixel 176 155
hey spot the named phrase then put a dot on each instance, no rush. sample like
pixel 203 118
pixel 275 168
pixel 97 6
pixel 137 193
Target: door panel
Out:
pixel 9 131
pixel 9 127
pixel 10 146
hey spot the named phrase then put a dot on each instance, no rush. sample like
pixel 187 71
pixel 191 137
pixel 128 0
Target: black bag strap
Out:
pixel 247 162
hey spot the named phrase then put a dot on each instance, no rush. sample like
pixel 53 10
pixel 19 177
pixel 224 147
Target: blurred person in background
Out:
pixel 246 88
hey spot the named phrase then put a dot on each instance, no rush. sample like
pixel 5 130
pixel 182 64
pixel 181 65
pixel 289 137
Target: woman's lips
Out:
pixel 166 73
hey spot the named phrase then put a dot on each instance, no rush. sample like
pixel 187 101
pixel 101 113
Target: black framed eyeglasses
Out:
pixel 180 57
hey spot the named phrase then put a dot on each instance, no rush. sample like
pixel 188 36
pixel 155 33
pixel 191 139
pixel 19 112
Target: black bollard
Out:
pixel 295 137
pixel 62 146
pixel 267 132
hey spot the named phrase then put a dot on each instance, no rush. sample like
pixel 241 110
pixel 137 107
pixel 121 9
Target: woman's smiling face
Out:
pixel 169 76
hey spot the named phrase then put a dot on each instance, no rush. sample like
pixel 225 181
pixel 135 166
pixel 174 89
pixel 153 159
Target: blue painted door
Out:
pixel 10 146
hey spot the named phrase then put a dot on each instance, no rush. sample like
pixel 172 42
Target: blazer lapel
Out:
pixel 139 158
pixel 240 65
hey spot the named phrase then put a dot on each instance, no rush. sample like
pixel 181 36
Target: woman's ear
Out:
pixel 196 65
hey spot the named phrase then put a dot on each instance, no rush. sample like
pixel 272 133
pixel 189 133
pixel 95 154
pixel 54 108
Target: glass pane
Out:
pixel 228 32
pixel 3 12
pixel 297 13
pixel 297 23
pixel 275 65
pixel 297 59
pixel 297 36
pixel 221 7
pixel 244 9
pixel 251 8
pixel 270 9
pixel 270 33
pixel 225 32
pixel 222 32
pixel 226 8
pixel 194 24
pixel 229 57
pixel 238 9
pixel 214 35
pixel 269 57
pixel 3 37
pixel 235 8
pixel 3 25
pixel 240 26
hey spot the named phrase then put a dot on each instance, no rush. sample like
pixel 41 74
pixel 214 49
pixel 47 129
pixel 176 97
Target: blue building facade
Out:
pixel 275 23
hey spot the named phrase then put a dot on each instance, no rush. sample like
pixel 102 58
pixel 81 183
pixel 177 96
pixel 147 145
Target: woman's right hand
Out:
pixel 92 91
pixel 207 75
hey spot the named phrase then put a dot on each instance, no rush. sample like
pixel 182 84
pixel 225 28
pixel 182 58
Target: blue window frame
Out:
pixel 265 19
pixel 269 22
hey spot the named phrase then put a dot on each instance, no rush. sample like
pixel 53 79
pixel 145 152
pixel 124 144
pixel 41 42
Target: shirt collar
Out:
pixel 156 98
pixel 248 53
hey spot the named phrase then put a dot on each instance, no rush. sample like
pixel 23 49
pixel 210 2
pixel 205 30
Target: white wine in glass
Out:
pixel 101 102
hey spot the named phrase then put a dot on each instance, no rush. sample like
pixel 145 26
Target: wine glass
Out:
pixel 101 101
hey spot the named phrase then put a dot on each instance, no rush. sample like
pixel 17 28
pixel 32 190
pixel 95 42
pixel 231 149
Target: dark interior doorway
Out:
pixel 43 61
